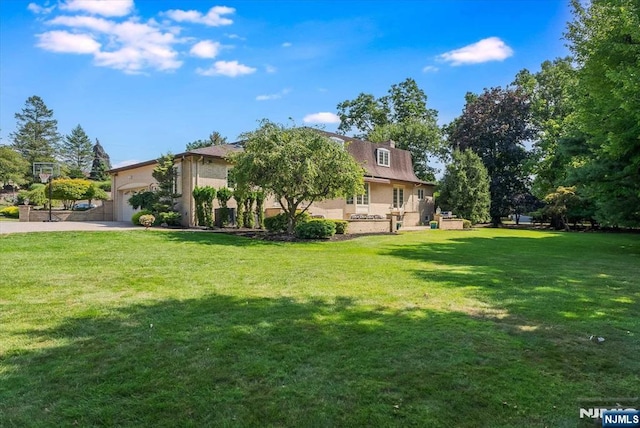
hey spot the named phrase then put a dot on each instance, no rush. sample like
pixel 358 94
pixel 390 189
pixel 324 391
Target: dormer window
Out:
pixel 383 157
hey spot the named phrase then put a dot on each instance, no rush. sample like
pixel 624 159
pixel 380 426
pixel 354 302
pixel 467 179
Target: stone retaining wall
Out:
pixel 102 213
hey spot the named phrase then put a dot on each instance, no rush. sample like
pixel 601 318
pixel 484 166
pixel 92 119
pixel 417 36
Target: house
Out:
pixel 391 186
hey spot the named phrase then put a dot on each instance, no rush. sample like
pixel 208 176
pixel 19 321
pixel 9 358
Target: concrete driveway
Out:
pixel 61 226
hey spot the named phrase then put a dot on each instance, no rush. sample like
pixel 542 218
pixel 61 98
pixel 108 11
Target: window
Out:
pixel 398 197
pixel 360 199
pixel 420 194
pixel 231 182
pixel 363 199
pixel 383 157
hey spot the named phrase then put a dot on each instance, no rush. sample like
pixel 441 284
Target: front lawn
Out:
pixel 437 329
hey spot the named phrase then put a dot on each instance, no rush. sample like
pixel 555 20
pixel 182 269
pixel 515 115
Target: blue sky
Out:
pixel 146 77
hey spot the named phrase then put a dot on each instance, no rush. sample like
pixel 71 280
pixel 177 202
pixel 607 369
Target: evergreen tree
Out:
pixel 215 139
pixel 464 189
pixel 76 152
pixel 101 163
pixel 36 137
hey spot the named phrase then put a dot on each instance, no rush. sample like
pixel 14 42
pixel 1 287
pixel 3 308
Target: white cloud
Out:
pixel 99 7
pixel 40 10
pixel 205 49
pixel 270 68
pixel 490 49
pixel 65 42
pixel 430 69
pixel 129 46
pixel 322 117
pixel 235 36
pixel 226 68
pixel 287 44
pixel 213 18
pixel 275 96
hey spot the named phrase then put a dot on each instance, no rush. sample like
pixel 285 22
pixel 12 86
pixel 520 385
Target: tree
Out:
pixel 13 167
pixel 464 188
pixel 298 166
pixel 69 190
pixel 402 116
pixel 605 40
pixel 551 92
pixel 95 193
pixel 495 125
pixel 101 163
pixel 203 197
pixel 166 175
pixel 36 138
pixel 76 151
pixel 215 139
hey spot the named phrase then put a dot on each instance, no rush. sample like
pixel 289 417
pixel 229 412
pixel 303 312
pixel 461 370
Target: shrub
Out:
pixel 279 223
pixel 147 220
pixel 466 224
pixel 171 218
pixel 315 229
pixel 144 200
pixel 104 185
pixel 10 212
pixel 341 226
pixel 135 219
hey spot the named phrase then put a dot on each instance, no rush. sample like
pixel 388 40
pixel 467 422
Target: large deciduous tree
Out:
pixel 298 166
pixel 604 37
pixel 13 167
pixel 36 137
pixel 76 151
pixel 101 163
pixel 402 116
pixel 464 188
pixel 495 125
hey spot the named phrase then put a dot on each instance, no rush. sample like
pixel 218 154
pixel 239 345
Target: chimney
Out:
pixel 392 144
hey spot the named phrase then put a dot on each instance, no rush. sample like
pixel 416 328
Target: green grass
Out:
pixel 437 329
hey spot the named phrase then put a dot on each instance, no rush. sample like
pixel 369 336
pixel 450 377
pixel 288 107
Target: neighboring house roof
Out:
pixel 220 151
pixel 365 152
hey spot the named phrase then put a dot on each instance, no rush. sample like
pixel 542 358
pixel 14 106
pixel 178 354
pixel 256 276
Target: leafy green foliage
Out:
pixel 464 188
pixel 76 151
pixel 495 125
pixel 223 195
pixel 292 164
pixel 239 194
pixel 605 40
pixel 10 212
pixel 171 218
pixel 402 116
pixel 35 195
pixel 36 138
pixel 341 226
pixel 101 163
pixel 69 190
pixel 316 229
pixel 144 200
pixel 279 223
pixel 95 192
pixel 466 224
pixel 135 218
pixel 104 185
pixel 13 167
pixel 204 197
pixel 215 139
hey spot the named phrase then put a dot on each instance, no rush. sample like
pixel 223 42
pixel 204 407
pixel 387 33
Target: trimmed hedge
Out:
pixel 466 224
pixel 135 219
pixel 316 229
pixel 341 226
pixel 278 223
pixel 10 212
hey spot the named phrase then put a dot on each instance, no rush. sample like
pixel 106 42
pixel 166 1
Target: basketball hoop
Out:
pixel 44 177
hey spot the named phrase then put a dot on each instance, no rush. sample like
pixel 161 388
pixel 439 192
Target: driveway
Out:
pixel 61 226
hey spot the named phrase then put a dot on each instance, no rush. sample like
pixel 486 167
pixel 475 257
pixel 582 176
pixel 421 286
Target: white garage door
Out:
pixel 126 210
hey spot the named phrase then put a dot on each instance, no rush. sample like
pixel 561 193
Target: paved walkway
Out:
pixel 22 227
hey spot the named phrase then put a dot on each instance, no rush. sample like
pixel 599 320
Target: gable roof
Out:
pixel 365 152
pixel 220 151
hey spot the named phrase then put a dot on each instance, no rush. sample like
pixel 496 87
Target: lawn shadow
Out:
pixel 227 361
pixel 217 238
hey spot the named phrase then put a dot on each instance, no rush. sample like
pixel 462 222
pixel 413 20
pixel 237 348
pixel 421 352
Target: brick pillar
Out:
pixel 25 211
